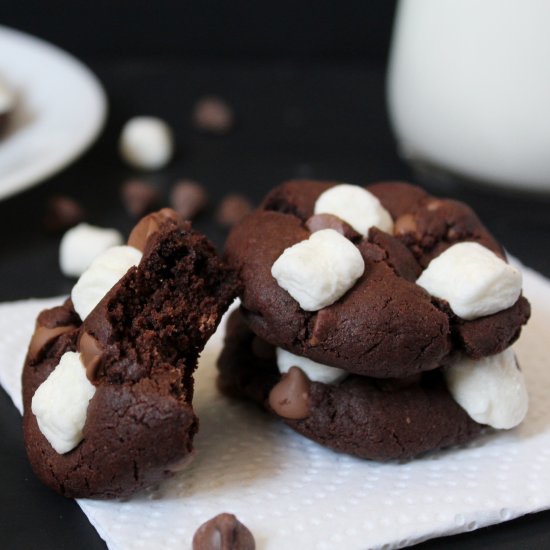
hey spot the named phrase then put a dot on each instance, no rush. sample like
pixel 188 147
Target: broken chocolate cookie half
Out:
pixel 108 378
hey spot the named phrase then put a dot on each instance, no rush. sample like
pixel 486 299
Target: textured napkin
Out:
pixel 292 493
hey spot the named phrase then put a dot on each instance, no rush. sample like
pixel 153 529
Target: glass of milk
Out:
pixel 469 88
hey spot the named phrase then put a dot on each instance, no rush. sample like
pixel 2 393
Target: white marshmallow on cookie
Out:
pixel 491 390
pixel 320 270
pixel 81 244
pixel 473 279
pixel 106 270
pixel 60 403
pixel 146 143
pixel 356 206
pixel 316 372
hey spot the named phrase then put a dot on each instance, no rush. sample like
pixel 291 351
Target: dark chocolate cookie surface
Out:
pixel 385 325
pixel 365 417
pixel 140 347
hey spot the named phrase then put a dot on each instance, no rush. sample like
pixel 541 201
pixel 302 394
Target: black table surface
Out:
pixel 321 120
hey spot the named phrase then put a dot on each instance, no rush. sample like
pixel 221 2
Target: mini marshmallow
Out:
pixel 318 271
pixel 473 279
pixel 81 244
pixel 316 372
pixel 146 143
pixel 7 98
pixel 356 206
pixel 106 270
pixel 60 403
pixel 491 390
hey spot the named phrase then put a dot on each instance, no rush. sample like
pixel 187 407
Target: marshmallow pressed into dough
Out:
pixel 356 206
pixel 318 271
pixel 60 403
pixel 106 270
pixel 316 372
pixel 473 279
pixel 491 390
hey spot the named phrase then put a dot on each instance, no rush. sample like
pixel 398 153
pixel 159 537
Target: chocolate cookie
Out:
pixel 385 325
pixel 366 417
pixel 139 347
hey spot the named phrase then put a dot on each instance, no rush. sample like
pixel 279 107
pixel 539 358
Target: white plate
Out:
pixel 60 110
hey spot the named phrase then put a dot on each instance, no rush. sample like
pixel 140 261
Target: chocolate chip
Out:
pixel 434 204
pixel 213 115
pixel 149 225
pixel 63 315
pixel 290 397
pixel 91 353
pixel 44 336
pixel 405 224
pixel 330 221
pixel 223 532
pixel 232 210
pixel 139 197
pixel 453 233
pixel 62 213
pixel 188 198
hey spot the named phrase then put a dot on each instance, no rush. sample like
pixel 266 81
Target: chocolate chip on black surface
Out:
pixel 62 213
pixel 233 209
pixel 188 198
pixel 213 115
pixel 139 197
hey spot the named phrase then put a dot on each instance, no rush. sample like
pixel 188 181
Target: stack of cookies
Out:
pixel 374 320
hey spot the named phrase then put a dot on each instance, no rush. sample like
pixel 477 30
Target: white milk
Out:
pixel 469 87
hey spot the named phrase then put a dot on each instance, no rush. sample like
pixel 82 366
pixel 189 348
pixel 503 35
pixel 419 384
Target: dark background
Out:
pixel 122 29
pixel 306 80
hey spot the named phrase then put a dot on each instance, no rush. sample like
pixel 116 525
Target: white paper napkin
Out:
pixel 292 493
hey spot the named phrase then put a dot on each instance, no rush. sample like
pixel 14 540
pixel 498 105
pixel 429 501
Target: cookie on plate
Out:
pixel 108 378
pixel 369 288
